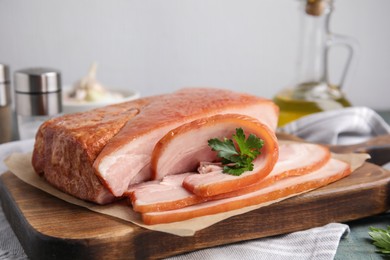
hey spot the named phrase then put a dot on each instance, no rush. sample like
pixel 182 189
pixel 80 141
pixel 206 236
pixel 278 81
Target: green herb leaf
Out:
pixel 381 239
pixel 225 148
pixel 237 161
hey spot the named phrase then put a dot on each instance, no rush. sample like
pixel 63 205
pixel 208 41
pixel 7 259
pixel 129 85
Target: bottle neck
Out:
pixel 312 56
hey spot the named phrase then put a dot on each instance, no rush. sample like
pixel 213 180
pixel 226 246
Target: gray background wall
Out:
pixel 157 46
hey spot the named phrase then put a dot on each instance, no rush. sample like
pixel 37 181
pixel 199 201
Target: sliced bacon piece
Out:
pixel 183 148
pixel 161 196
pixel 330 172
pixel 294 159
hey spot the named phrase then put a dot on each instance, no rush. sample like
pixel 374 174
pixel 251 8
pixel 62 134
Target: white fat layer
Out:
pixel 169 189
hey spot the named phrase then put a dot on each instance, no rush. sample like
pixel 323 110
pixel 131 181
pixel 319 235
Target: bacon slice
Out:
pixel 332 171
pixel 294 159
pixel 125 159
pixel 183 148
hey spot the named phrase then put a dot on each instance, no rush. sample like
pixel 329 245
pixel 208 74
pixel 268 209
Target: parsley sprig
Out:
pixel 381 239
pixel 237 161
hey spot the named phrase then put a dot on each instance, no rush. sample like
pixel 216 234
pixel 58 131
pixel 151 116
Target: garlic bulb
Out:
pixel 89 89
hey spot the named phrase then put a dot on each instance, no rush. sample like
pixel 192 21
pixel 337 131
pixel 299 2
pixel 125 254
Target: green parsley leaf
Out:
pixel 237 161
pixel 381 239
pixel 225 148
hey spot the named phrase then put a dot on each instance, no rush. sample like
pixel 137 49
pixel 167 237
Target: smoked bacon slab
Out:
pixel 97 155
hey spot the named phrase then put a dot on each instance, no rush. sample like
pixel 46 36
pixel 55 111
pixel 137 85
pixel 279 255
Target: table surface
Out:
pixel 357 245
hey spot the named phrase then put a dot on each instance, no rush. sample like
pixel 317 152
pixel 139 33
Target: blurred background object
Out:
pixel 313 90
pixel 88 93
pixel 5 105
pixel 38 97
pixel 159 46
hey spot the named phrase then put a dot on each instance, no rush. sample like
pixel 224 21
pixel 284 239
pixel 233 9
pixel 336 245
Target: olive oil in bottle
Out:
pixel 300 101
pixel 313 91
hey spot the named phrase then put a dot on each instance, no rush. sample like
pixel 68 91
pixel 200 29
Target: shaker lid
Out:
pixel 37 80
pixel 4 73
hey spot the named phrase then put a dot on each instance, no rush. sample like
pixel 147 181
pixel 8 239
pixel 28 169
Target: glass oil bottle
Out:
pixel 313 91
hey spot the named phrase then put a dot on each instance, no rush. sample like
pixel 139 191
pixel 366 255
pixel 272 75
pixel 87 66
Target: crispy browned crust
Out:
pixel 67 146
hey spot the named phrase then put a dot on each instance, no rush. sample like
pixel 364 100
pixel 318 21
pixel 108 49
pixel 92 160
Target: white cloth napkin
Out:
pixel 316 243
pixel 345 126
pixel 351 125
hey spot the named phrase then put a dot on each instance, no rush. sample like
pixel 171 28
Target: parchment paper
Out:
pixel 20 165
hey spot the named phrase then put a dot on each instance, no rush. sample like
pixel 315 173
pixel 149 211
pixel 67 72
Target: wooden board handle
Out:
pixel 378 148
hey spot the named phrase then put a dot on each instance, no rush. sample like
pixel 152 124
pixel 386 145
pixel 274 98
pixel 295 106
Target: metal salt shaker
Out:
pixel 38 98
pixel 5 105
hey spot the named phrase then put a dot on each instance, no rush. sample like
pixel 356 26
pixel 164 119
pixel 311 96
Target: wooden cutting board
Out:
pixel 49 228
